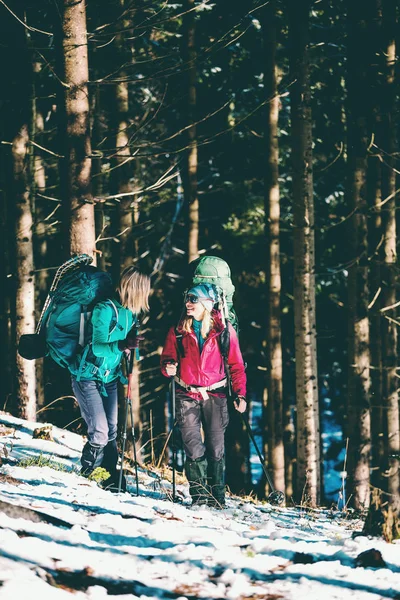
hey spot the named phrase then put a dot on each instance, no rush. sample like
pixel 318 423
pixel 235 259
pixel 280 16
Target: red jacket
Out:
pixel 207 368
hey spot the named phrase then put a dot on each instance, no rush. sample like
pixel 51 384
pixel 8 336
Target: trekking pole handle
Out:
pixel 171 362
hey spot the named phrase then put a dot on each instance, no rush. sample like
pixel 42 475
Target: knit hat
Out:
pixel 205 293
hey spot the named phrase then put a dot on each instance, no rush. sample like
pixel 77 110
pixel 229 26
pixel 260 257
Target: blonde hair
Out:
pixel 134 290
pixel 206 324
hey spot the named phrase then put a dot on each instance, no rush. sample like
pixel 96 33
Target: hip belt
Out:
pixel 202 390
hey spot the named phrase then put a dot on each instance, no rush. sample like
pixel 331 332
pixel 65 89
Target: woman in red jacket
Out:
pixel 192 355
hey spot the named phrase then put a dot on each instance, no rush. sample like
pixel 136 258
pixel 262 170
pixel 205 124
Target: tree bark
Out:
pixel 190 171
pixel 76 165
pixel 308 433
pixel 389 270
pixel 274 408
pixel 374 201
pixel 37 170
pixel 17 115
pixel 24 274
pixel 358 289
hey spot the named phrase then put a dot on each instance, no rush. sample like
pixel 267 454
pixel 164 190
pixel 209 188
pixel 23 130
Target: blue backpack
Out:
pixel 64 326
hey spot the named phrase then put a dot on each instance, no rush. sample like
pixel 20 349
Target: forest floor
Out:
pixel 63 537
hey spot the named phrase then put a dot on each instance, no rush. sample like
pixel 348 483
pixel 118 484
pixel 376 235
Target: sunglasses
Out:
pixel 191 298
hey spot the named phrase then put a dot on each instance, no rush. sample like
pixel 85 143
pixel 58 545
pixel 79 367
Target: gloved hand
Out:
pixel 130 342
pixel 240 404
pixel 171 368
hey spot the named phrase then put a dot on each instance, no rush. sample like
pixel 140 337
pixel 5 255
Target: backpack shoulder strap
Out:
pixel 179 342
pixel 224 342
pixel 114 319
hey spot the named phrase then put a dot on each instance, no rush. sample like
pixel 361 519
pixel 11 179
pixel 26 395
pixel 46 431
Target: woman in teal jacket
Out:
pixel 97 370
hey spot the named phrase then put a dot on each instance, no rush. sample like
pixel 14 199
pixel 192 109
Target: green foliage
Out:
pixel 98 475
pixel 42 461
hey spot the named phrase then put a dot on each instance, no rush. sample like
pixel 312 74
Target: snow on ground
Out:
pixel 148 547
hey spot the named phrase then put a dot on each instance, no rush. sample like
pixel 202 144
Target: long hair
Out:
pixel 206 324
pixel 134 290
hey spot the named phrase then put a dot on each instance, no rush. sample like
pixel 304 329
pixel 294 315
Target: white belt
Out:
pixel 201 390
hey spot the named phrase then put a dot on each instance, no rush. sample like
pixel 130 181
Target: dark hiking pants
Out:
pixel 100 414
pixel 213 415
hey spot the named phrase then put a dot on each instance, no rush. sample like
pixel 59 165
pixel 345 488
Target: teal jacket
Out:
pixel 100 358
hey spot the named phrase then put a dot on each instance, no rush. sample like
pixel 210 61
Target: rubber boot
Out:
pixel 196 473
pixel 92 457
pixel 216 482
pixel 110 460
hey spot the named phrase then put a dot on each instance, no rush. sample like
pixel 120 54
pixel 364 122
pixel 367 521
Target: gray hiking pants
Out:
pixel 99 412
pixel 212 414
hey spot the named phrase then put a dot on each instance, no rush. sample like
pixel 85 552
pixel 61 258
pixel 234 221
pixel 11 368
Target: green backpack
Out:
pixel 215 271
pixel 64 327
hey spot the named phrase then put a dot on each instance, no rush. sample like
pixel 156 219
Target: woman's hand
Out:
pixel 131 341
pixel 240 404
pixel 170 368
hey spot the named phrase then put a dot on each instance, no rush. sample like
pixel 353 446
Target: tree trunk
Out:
pixel 17 115
pixel 390 268
pixel 76 164
pixel 24 274
pixel 5 367
pixel 40 237
pixel 126 212
pixel 359 338
pixel 123 173
pixel 190 171
pixel 276 458
pixel 308 436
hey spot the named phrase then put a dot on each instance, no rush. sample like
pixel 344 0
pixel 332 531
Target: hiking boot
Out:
pixel 196 474
pixel 109 463
pixel 110 457
pixel 216 482
pixel 92 457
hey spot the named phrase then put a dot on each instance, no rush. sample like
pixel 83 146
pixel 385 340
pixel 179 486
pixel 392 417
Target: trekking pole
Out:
pixel 128 409
pixel 173 398
pixel 275 497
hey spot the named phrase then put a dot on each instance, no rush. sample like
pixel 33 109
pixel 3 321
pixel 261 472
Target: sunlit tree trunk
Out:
pixel 5 367
pixel 24 272
pixel 273 410
pixel 390 267
pixel 190 171
pixel 37 170
pixel 97 128
pixel 358 289
pixel 374 200
pixel 76 164
pixel 123 174
pixel 308 435
pixel 126 250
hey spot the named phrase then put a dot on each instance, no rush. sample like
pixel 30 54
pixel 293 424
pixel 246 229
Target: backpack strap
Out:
pixel 224 345
pixel 82 362
pixel 85 316
pixel 224 342
pixel 179 342
pixel 114 318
